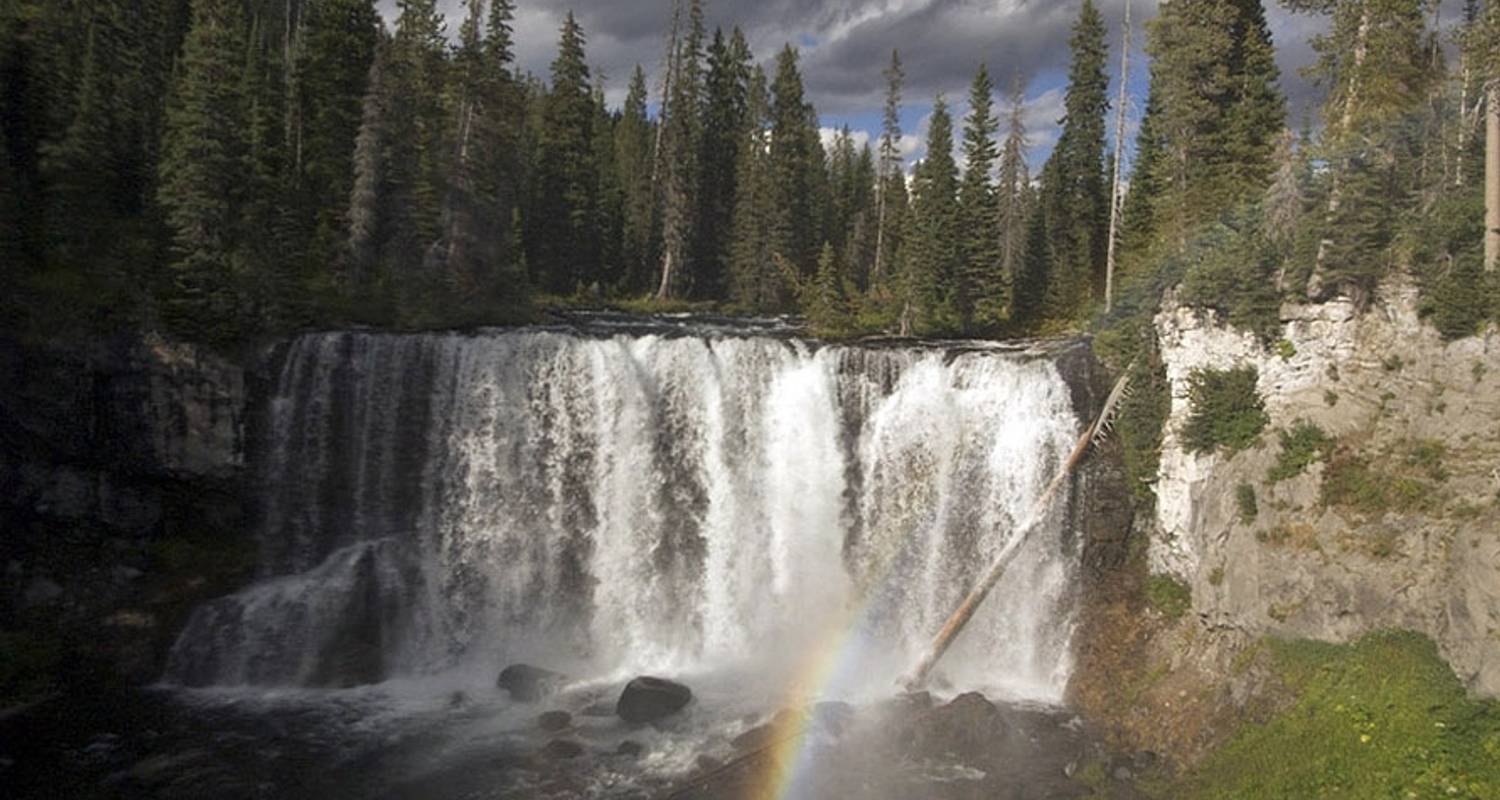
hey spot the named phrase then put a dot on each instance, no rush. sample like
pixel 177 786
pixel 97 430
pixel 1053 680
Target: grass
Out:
pixel 1169 596
pixel 1226 410
pixel 1351 483
pixel 1301 447
pixel 1382 718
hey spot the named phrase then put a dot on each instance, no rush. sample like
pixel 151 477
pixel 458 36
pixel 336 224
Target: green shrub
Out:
pixel 1285 349
pixel 1330 398
pixel 1244 500
pixel 1226 410
pixel 1169 596
pixel 1427 455
pixel 1384 717
pixel 1302 446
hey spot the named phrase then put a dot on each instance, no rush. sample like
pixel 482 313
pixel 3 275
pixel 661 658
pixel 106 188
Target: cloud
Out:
pixel 846 44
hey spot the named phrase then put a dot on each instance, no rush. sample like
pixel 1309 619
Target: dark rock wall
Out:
pixel 122 502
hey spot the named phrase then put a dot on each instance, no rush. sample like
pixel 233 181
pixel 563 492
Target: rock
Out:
pixel 969 726
pixel 597 710
pixel 1123 774
pixel 630 748
pixel 755 738
pixel 833 716
pixel 528 684
pixel 554 720
pixel 41 592
pixel 562 749
pixel 648 699
pixel 707 763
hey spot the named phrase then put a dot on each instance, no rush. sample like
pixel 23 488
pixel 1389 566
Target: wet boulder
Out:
pixel 554 720
pixel 528 684
pixel 562 749
pixel 648 699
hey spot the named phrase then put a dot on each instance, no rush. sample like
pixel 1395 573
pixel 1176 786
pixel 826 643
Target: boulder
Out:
pixel 630 748
pixel 528 684
pixel 648 699
pixel 755 738
pixel 554 720
pixel 562 749
pixel 833 716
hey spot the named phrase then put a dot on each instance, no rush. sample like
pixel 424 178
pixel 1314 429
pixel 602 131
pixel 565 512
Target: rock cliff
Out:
pixel 1395 524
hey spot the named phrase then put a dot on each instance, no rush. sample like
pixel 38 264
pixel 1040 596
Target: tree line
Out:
pixel 228 168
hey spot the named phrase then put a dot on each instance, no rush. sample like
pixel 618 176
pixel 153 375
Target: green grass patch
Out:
pixel 1352 482
pixel 1244 502
pixel 1169 596
pixel 1226 410
pixel 1382 718
pixel 1301 447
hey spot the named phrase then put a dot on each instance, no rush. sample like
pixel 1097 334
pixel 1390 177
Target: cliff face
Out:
pixel 122 467
pixel 1396 526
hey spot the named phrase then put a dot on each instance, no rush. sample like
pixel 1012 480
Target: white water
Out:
pixel 645 503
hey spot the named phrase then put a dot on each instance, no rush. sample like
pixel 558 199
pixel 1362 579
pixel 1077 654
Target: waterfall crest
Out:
pixel 643 502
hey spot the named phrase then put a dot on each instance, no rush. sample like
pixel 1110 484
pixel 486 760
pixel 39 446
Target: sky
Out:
pixel 846 44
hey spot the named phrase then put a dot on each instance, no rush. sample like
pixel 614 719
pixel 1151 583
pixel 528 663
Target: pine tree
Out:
pixel 200 188
pixel 1214 113
pixel 824 303
pixel 415 161
pixel 1069 267
pixel 498 164
pixel 975 289
pixel 680 141
pixel 562 238
pixel 272 285
pixel 366 196
pixel 332 66
pixel 933 253
pixel 1012 204
pixel 796 167
pixel 890 172
pixel 756 283
pixel 723 130
pixel 1376 61
pixel 633 141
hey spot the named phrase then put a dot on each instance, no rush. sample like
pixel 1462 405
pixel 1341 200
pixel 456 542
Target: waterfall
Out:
pixel 643 501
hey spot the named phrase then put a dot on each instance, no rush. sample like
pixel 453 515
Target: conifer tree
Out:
pixel 366 195
pixel 680 139
pixel 723 129
pixel 1214 112
pixel 796 166
pixel 332 67
pixel 633 142
pixel 1012 203
pixel 273 286
pixel 825 303
pixel 975 289
pixel 1068 269
pixel 1376 62
pixel 933 253
pixel 200 187
pixel 890 172
pixel 415 161
pixel 562 238
pixel 756 283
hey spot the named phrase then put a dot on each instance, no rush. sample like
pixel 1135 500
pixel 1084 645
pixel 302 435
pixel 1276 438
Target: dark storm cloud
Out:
pixel 845 44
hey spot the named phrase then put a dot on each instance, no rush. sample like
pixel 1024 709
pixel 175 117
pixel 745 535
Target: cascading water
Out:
pixel 644 502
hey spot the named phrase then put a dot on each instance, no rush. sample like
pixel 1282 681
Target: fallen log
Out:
pixel 965 611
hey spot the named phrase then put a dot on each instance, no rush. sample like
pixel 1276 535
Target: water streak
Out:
pixel 643 502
